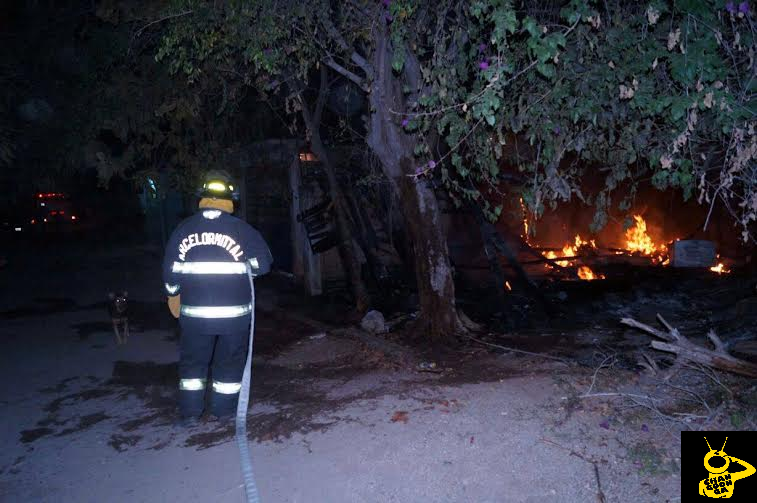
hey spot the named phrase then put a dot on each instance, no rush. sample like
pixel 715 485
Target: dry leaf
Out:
pixel 400 416
pixel 673 38
pixel 708 100
pixel 652 15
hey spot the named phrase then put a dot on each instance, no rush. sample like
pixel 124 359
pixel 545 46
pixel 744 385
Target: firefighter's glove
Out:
pixel 174 305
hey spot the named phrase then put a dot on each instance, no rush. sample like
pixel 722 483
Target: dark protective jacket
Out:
pixel 206 263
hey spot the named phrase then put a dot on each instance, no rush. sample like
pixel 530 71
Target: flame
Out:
pixel 507 285
pixel 586 273
pixel 637 239
pixel 637 242
pixel 720 268
pixel 571 250
pixel 525 220
pixel 552 255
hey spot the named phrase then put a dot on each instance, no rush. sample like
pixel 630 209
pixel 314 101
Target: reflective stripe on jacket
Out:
pixel 206 262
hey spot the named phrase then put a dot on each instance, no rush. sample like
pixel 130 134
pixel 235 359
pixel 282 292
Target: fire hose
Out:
pixel 245 457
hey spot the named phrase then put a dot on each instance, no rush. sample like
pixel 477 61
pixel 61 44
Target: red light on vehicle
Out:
pixel 52 213
pixel 39 195
pixel 73 217
pixel 34 221
pixel 44 220
pixel 62 212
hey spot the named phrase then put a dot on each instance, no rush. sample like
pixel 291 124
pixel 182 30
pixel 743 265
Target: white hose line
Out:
pixel 245 457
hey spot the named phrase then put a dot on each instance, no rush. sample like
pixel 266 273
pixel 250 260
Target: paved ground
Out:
pixel 334 420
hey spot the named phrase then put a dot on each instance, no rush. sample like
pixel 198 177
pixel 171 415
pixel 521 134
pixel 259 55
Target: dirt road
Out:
pixel 334 420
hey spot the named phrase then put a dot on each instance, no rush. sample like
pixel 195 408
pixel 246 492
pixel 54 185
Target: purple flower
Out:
pixel 405 122
pixel 483 65
pixel 481 47
pixel 387 2
pixel 389 18
pixel 431 164
pixel 605 424
pixel 730 7
pixel 556 130
pixel 744 7
pixel 419 170
pixel 644 427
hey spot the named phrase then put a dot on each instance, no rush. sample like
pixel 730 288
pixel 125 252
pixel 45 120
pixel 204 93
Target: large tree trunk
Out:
pixel 394 148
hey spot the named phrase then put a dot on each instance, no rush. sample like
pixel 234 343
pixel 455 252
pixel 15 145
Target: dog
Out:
pixel 119 315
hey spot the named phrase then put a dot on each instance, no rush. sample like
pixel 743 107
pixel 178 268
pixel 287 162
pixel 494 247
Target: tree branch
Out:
pixel 323 90
pixel 346 73
pixel 339 40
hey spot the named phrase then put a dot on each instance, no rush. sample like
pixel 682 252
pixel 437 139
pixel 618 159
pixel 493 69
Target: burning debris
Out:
pixel 583 255
pixel 638 241
pixel 573 251
pixel 720 268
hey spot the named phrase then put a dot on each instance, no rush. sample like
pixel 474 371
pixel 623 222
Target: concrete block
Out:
pixel 693 253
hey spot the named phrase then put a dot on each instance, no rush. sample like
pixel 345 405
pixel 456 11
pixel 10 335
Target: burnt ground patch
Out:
pixel 71 398
pixel 61 386
pixel 135 424
pixel 152 383
pixel 274 332
pixel 34 434
pixel 303 405
pixel 85 422
pixel 122 443
pixel 13 468
pixel 55 408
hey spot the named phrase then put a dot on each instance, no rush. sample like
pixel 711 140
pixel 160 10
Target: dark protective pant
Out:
pixel 228 354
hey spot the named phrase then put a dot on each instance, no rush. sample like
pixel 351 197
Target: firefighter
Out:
pixel 205 276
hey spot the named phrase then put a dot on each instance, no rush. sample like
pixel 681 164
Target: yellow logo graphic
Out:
pixel 720 483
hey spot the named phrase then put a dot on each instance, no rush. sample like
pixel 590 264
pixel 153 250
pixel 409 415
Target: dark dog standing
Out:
pixel 119 315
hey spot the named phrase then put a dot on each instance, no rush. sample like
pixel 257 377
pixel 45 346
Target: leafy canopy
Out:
pixel 627 94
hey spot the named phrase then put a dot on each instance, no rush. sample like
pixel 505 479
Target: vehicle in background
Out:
pixel 53 213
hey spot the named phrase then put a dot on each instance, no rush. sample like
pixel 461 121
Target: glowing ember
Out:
pixel 507 285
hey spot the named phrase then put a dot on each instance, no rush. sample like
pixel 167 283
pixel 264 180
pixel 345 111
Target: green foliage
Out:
pixel 656 93
pixel 660 91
